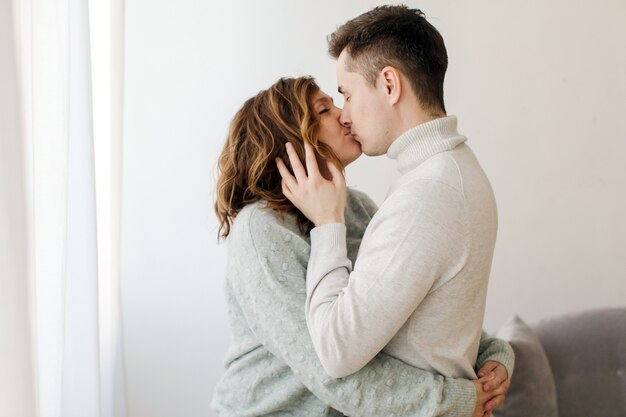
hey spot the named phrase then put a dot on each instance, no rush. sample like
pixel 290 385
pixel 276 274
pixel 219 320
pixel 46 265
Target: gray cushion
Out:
pixel 587 353
pixel 532 392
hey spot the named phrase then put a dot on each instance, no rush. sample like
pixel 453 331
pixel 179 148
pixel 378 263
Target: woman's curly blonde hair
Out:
pixel 247 170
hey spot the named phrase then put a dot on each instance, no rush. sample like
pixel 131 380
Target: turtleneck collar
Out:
pixel 423 141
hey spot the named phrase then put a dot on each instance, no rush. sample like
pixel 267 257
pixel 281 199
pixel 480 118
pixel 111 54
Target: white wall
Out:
pixel 538 88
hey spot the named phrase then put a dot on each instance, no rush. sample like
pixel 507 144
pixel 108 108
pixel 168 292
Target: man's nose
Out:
pixel 344 119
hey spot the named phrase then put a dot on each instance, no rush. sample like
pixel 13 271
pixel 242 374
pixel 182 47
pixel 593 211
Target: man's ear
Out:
pixel 392 83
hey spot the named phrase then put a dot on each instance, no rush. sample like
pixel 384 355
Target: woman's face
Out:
pixel 331 132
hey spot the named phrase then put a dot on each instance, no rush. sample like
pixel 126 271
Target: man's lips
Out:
pixel 352 135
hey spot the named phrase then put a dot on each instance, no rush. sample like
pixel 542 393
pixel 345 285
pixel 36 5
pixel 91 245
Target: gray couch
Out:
pixel 568 366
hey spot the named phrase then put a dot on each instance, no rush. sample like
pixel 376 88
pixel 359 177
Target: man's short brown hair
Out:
pixel 399 37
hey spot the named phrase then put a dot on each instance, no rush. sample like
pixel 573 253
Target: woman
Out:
pixel 271 366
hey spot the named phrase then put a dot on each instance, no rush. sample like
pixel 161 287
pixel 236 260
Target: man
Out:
pixel 418 287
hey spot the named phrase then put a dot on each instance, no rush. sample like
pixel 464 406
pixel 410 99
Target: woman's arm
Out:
pixel 270 288
pixel 496 350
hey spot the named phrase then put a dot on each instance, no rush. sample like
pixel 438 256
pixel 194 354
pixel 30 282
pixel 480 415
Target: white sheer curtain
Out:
pixel 60 327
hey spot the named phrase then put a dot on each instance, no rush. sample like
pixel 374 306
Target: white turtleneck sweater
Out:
pixel 418 287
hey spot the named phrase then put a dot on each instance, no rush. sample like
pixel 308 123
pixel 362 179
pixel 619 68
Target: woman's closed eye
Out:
pixel 323 111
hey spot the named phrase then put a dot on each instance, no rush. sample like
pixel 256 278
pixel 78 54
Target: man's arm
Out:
pixel 353 314
pixel 272 295
pixel 494 355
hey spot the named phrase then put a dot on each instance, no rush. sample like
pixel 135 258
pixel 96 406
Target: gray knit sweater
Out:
pixel 271 366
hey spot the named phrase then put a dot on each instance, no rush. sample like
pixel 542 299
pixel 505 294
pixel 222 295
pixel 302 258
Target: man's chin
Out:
pixel 365 150
pixel 372 152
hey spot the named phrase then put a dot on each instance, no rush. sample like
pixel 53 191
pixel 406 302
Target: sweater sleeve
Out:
pixel 494 349
pixel 416 242
pixel 271 293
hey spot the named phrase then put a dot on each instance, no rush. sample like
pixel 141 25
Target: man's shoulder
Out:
pixel 449 167
pixel 441 170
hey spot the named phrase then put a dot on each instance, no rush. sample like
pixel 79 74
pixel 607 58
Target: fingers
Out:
pixel 286 191
pixel 487 367
pixel 494 403
pixel 311 161
pixel 488 377
pixel 502 389
pixel 288 179
pixel 505 386
pixel 501 371
pixel 338 177
pixel 501 375
pixel 493 384
pixel 496 367
pixel 296 164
